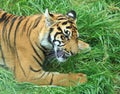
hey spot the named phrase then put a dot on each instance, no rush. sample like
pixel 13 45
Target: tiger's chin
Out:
pixel 61 59
pixel 61 55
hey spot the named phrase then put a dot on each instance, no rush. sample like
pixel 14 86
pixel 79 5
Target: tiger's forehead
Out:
pixel 64 20
pixel 66 23
pixel 62 17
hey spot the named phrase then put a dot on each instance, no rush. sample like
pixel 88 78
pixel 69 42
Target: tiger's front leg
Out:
pixel 61 79
pixel 41 77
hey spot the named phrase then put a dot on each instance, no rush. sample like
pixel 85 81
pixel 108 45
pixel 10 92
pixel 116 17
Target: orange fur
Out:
pixel 23 40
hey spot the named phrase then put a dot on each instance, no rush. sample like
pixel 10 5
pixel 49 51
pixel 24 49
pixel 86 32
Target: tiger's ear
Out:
pixel 49 18
pixel 72 14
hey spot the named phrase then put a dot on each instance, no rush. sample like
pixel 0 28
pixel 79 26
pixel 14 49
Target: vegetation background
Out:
pixel 98 23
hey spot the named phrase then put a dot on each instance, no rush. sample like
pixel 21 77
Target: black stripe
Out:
pixel 25 25
pixel 8 17
pixel 20 65
pixel 49 36
pixel 71 53
pixel 3 17
pixel 23 70
pixel 29 29
pixel 64 23
pixel 12 23
pixel 4 26
pixel 51 81
pixel 68 27
pixel 57 34
pixel 15 33
pixel 61 18
pixel 34 70
pixel 42 75
pixel 21 17
pixel 37 53
pixel 7 21
pixel 37 21
pixel 43 49
pixel 70 22
pixel 75 27
pixel 59 29
pixel 37 61
pixel 51 15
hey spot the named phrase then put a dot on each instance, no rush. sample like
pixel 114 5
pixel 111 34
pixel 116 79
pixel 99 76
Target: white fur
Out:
pixel 70 14
pixel 46 13
pixel 44 42
pixel 48 20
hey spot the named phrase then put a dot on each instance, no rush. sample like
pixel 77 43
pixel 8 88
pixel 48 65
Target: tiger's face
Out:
pixel 63 35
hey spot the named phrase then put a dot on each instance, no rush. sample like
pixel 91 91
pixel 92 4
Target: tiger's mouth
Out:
pixel 61 55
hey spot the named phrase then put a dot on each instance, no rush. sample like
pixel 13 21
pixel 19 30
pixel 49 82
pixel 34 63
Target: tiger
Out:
pixel 25 42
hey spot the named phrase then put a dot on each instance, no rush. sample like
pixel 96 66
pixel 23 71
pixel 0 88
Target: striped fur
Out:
pixel 26 40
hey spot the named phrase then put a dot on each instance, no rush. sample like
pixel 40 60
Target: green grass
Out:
pixel 98 23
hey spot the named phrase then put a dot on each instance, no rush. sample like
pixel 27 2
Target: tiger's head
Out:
pixel 62 35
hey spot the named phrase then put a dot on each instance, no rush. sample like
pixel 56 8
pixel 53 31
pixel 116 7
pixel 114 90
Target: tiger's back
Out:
pixel 25 40
pixel 16 31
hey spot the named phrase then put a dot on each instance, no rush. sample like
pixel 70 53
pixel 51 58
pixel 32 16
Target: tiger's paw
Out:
pixel 81 77
pixel 78 78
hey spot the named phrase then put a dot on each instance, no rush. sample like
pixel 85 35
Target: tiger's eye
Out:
pixel 67 32
pixel 62 37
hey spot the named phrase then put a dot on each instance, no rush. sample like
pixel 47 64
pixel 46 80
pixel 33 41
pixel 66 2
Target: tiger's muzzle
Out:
pixel 61 55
